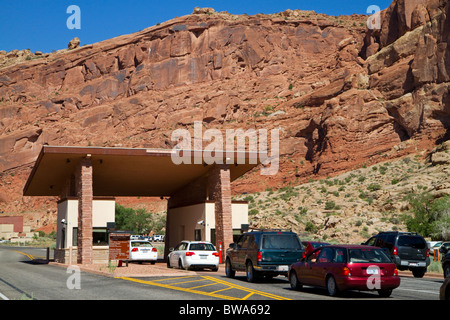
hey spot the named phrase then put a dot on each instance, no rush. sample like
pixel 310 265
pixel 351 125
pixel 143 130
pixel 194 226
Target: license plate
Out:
pixel 282 268
pixel 145 250
pixel 372 271
pixel 413 264
pixel 203 257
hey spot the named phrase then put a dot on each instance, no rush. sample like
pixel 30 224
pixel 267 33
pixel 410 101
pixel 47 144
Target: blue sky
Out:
pixel 40 25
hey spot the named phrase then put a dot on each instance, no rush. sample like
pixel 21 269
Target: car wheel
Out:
pixel 293 280
pixel 419 273
pixel 180 264
pixel 250 272
pixel 385 293
pixel 229 272
pixel 332 286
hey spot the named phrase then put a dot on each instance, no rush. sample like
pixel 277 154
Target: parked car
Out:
pixel 311 245
pixel 444 291
pixel 193 254
pixel 444 248
pixel 445 260
pixel 346 267
pixel 263 253
pixel 134 237
pixel 434 245
pixel 158 237
pixel 143 251
pixel 408 250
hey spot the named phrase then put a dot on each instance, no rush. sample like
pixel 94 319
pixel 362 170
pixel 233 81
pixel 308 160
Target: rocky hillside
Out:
pixel 341 95
pixel 351 207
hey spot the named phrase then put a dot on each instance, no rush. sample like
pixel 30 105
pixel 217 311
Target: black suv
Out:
pixel 263 253
pixel 408 250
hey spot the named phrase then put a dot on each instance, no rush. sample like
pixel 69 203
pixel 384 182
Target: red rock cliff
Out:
pixel 340 94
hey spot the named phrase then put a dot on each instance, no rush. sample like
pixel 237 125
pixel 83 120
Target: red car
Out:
pixel 311 245
pixel 346 267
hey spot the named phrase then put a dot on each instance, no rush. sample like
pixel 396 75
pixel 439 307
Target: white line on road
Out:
pixel 423 291
pixel 3 296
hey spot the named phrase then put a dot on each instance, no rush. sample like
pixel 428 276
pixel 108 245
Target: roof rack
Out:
pixel 400 232
pixel 269 229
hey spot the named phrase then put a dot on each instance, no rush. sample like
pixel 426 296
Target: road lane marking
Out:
pixel 25 254
pixel 415 290
pixel 3 296
pixel 177 288
pixel 235 286
pixel 213 281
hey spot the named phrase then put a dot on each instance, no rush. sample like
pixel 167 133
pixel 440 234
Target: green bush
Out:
pixel 431 217
pixel 373 187
pixel 330 205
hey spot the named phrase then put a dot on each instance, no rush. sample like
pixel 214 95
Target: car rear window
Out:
pixel 202 247
pixel 412 241
pixel 135 244
pixel 368 255
pixel 281 241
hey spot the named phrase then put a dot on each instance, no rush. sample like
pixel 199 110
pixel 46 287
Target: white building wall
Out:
pixel 103 211
pixel 185 220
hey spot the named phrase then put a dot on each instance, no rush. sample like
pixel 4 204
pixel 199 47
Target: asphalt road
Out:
pixel 22 278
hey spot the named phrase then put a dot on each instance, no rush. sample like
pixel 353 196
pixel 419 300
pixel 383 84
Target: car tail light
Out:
pixel 395 272
pixel 303 255
pixel 190 253
pixel 394 252
pixel 154 250
pixel 216 254
pixel 259 256
pixel 428 252
pixel 346 272
pixel 134 250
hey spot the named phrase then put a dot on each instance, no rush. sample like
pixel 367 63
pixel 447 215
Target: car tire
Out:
pixel 332 286
pixel 229 272
pixel 250 272
pixel 293 280
pixel 386 293
pixel 180 264
pixel 419 273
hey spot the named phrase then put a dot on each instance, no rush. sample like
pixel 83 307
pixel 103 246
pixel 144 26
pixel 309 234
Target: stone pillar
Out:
pixel 220 191
pixel 84 188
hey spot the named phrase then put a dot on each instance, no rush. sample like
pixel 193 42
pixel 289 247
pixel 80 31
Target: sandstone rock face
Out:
pixel 341 95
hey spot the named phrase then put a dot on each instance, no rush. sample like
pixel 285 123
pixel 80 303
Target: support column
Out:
pixel 220 191
pixel 85 197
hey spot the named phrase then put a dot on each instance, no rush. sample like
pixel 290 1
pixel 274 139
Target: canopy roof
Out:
pixel 122 171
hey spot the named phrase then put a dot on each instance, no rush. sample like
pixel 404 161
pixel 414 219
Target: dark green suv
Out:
pixel 261 253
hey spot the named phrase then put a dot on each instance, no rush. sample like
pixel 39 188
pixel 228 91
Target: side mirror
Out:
pixel 232 245
pixel 171 249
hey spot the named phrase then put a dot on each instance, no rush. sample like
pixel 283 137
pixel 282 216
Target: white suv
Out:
pixel 193 254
